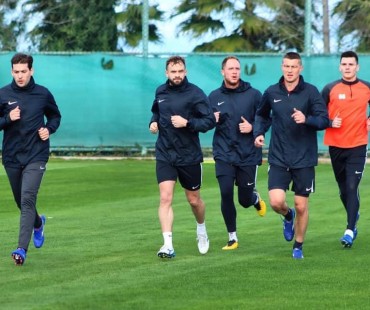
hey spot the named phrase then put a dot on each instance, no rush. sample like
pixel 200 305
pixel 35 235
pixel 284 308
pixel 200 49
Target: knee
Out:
pixel 165 200
pixel 276 203
pixel 195 201
pixel 246 201
pixel 28 199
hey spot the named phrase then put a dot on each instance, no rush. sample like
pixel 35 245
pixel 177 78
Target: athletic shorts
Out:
pixel 190 177
pixel 245 176
pixel 303 179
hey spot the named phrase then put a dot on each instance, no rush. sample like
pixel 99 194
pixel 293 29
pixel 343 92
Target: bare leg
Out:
pixel 165 211
pixel 197 205
pixel 278 202
pixel 301 207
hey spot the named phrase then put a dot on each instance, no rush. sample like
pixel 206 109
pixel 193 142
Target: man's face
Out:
pixel 21 74
pixel 231 73
pixel 348 67
pixel 291 68
pixel 176 73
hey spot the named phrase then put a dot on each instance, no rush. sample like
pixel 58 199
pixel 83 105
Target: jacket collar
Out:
pixel 29 86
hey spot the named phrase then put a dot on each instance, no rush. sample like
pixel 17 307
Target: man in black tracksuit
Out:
pixel 235 104
pixel 24 107
pixel 296 111
pixel 180 111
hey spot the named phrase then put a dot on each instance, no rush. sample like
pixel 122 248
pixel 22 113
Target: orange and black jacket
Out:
pixel 349 101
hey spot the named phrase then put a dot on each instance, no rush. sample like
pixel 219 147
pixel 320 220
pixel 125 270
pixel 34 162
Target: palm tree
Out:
pixel 325 26
pixel 288 25
pixel 129 22
pixel 355 15
pixel 9 31
pixel 251 33
pixel 211 16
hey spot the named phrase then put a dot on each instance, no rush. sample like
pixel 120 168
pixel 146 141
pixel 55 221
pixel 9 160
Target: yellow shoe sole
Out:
pixel 233 246
pixel 262 211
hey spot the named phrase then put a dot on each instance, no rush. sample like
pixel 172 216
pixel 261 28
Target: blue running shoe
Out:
pixel 297 253
pixel 288 227
pixel 38 233
pixel 346 241
pixel 19 256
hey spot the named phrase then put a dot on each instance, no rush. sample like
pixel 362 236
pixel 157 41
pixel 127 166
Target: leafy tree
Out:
pixel 129 22
pixel 355 15
pixel 282 29
pixel 9 31
pixel 83 25
pixel 211 16
pixel 288 25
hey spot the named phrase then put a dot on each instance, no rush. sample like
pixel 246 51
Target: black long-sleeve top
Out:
pixel 21 143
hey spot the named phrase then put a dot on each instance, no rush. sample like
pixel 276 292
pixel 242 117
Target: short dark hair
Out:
pixel 175 60
pixel 349 54
pixel 292 55
pixel 227 58
pixel 21 58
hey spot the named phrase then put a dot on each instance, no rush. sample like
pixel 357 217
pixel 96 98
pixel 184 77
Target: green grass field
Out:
pixel 102 236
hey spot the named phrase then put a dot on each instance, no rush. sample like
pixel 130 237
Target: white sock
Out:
pixel 201 229
pixel 349 232
pixel 232 236
pixel 167 237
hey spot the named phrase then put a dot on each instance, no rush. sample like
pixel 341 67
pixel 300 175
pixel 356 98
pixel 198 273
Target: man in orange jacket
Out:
pixel 347 101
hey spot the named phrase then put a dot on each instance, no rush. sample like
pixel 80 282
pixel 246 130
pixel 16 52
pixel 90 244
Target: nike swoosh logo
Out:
pixel 42 167
pixel 195 187
pixel 277 100
pixel 358 172
pixel 308 189
pixel 161 100
pixel 11 102
pixel 219 103
pixel 249 184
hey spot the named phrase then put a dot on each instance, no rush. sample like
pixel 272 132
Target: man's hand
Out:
pixel 298 117
pixel 44 133
pixel 153 127
pixel 217 116
pixel 259 141
pixel 178 121
pixel 245 126
pixel 15 114
pixel 337 121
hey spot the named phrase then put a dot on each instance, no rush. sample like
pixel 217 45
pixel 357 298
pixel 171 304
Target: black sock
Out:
pixel 289 216
pixel 297 245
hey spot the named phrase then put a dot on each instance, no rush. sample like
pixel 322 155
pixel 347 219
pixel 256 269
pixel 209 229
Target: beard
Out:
pixel 176 81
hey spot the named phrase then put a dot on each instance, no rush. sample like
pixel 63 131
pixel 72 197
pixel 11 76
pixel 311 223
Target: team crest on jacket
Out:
pixel 342 96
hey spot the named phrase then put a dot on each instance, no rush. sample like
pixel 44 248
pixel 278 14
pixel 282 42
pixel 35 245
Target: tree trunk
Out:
pixel 325 26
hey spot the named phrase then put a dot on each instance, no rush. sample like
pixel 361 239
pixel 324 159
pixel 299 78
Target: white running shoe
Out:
pixel 165 252
pixel 203 243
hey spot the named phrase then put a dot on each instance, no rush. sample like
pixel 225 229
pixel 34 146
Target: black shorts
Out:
pixel 303 179
pixel 190 177
pixel 245 176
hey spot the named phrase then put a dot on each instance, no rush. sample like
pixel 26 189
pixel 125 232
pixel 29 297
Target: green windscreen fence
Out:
pixel 105 99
